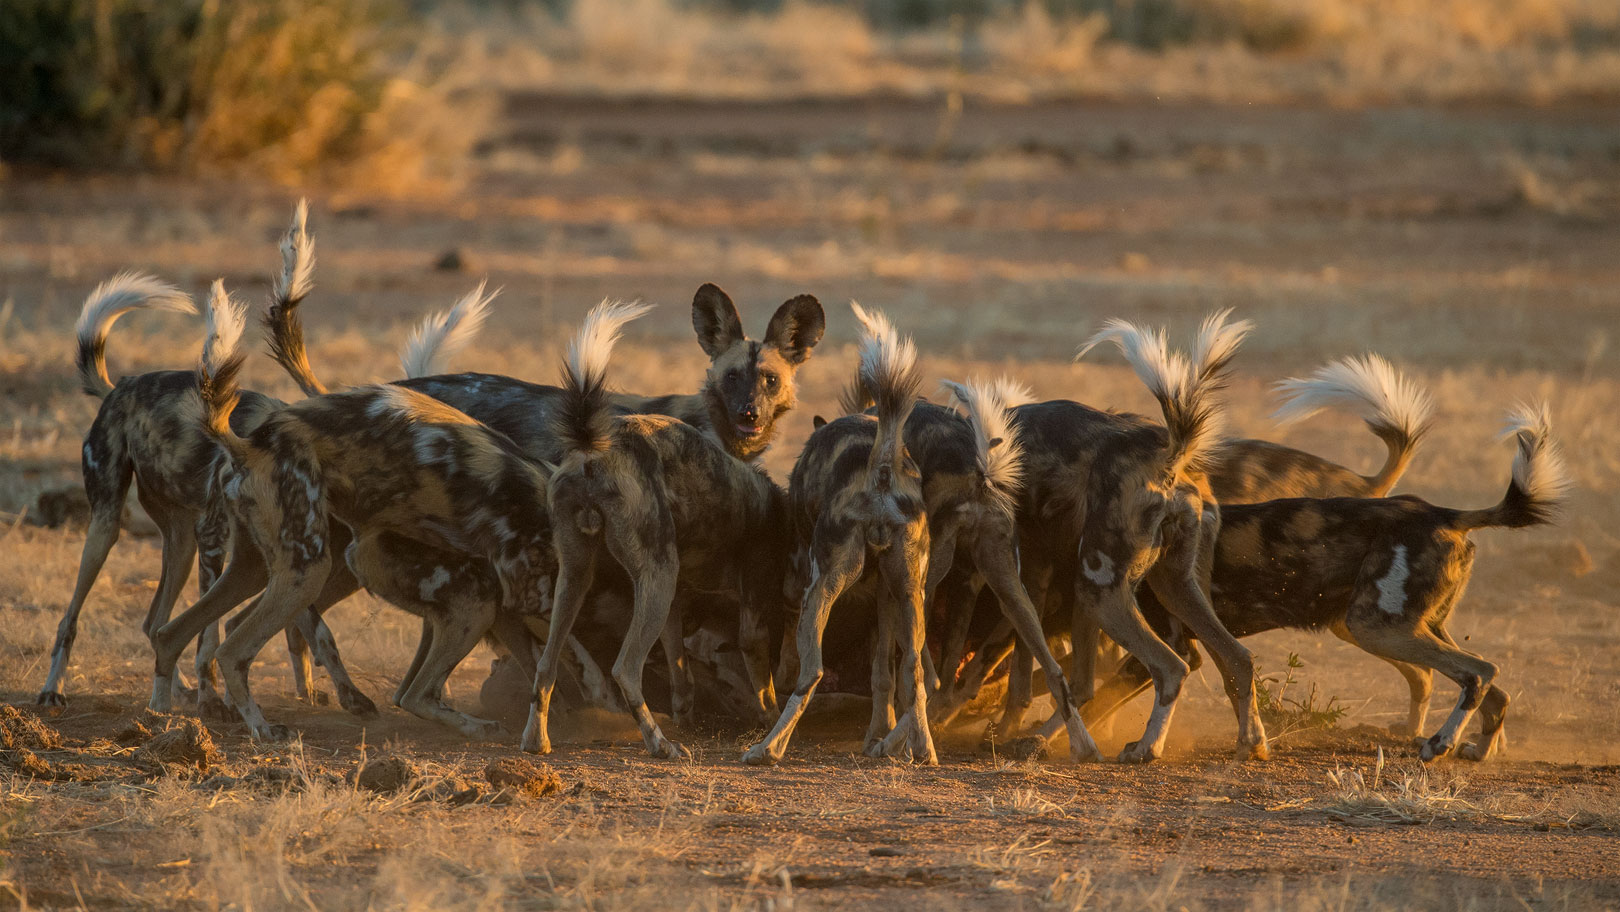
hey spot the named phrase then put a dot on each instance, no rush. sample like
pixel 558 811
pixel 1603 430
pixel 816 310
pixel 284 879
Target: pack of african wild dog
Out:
pixel 919 550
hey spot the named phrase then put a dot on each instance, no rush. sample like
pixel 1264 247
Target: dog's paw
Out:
pixel 1434 748
pixel 213 709
pixel 357 703
pixel 758 755
pixel 1137 752
pixel 51 698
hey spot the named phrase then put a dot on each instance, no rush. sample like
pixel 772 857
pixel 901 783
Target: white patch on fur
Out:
pixel 1103 574
pixel 226 319
pixel 443 334
pixel 90 459
pixel 1368 386
pixel 429 588
pixel 297 277
pixel 592 346
pixel 1538 467
pixel 1392 588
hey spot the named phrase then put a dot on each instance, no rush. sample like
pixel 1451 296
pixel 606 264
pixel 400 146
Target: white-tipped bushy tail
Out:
pixel 1217 344
pixel 221 366
pixel 1186 391
pixel 995 439
pixel 1369 387
pixel 583 417
pixel 888 372
pixel 284 328
pixel 443 334
pixel 1163 371
pixel 297 277
pixel 1397 409
pixel 1540 478
pixel 110 300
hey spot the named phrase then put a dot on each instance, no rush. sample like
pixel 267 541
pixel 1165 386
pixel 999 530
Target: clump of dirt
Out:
pixel 133 734
pixel 20 728
pixel 387 774
pixel 523 776
pixel 184 742
pixel 27 763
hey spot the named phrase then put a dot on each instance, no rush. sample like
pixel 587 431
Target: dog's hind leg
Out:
pixel 577 554
pixel 882 684
pixel 290 590
pixel 682 689
pixel 107 474
pixel 905 572
pixel 1419 684
pixel 995 559
pixel 213 533
pixel 834 567
pixel 655 590
pixel 244 576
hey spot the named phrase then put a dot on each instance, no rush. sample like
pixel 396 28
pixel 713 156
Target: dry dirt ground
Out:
pixel 1477 246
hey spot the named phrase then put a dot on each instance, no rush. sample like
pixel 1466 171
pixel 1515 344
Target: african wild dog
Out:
pixel 1248 470
pixel 1398 411
pixel 1383 574
pixel 749 387
pixel 391 464
pixel 146 430
pixel 858 507
pixel 673 510
pixel 1124 500
pixel 972 468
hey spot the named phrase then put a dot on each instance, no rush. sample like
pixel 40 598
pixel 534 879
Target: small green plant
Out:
pixel 1285 715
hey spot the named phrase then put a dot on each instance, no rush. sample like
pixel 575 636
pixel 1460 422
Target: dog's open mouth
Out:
pixel 748 430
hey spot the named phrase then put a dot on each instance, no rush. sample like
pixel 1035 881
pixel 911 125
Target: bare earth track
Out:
pixel 1475 245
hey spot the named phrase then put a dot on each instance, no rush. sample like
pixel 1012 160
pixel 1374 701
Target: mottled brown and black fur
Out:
pixel 749 387
pixel 1395 409
pixel 1112 500
pixel 673 510
pixel 384 461
pixel 858 507
pixel 1384 574
pixel 147 430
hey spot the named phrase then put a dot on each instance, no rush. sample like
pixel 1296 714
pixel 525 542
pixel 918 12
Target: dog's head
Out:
pixel 751 384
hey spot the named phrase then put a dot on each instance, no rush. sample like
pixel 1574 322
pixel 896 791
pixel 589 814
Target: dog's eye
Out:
pixel 770 381
pixel 733 375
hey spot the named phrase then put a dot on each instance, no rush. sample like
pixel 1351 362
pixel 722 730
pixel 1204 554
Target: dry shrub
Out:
pixel 282 88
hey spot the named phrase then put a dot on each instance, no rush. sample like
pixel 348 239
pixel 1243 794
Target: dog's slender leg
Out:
pixel 1115 610
pixel 907 584
pixel 958 597
pixel 995 559
pixel 107 474
pixel 682 690
pixel 835 566
pixel 213 539
pixel 179 549
pixel 754 636
pixel 303 672
pixel 244 576
pixel 424 643
pixel 289 591
pixel 455 634
pixel 655 589
pixel 1180 578
pixel 1474 675
pixel 1419 684
pixel 1020 690
pixel 882 675
pixel 577 553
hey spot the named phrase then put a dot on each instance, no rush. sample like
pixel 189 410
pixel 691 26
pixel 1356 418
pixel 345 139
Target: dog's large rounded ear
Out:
pixel 716 321
pixel 817 422
pixel 796 328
